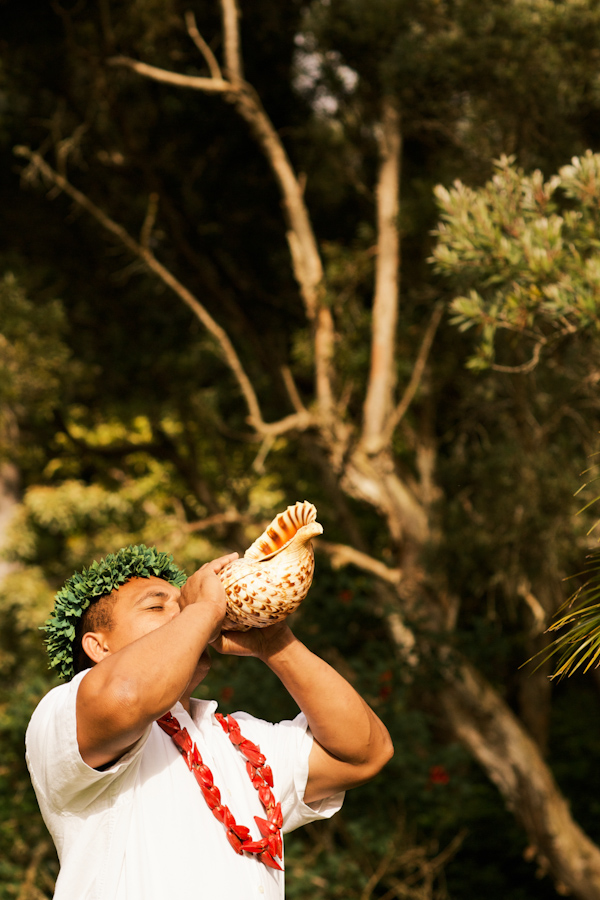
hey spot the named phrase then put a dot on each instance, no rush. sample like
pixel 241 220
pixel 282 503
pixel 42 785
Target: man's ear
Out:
pixel 94 645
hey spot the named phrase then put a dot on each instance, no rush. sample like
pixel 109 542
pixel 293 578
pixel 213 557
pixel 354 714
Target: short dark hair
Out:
pixel 97 617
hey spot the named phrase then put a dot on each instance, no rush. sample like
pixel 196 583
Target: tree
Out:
pixel 349 415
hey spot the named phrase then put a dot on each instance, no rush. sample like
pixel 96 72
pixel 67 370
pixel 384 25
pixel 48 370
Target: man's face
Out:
pixel 142 605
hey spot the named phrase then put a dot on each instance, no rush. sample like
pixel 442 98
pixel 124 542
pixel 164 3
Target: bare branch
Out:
pixel 231 32
pixel 403 638
pixel 296 421
pixel 542 341
pixel 382 376
pixel 305 257
pixel 229 517
pixel 448 852
pixel 324 350
pixel 151 211
pixel 290 384
pixel 538 614
pixel 417 373
pixel 265 448
pixel 525 367
pixel 342 555
pixel 306 261
pixel 69 145
pixel 195 82
pixel 383 866
pixel 209 57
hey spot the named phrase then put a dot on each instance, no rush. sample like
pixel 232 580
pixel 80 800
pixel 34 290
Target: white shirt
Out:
pixel 141 830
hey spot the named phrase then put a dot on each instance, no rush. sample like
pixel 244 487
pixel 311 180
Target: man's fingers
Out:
pixel 217 564
pixel 204 583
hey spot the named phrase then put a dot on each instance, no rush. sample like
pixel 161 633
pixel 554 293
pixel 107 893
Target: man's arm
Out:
pixel 351 743
pixel 124 693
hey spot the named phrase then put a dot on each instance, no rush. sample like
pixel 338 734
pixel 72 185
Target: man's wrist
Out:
pixel 205 615
pixel 278 646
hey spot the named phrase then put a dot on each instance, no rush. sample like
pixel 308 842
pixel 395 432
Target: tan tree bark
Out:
pixel 512 760
pixel 379 400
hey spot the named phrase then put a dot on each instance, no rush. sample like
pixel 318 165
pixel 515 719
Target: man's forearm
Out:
pixel 122 695
pixel 157 668
pixel 338 717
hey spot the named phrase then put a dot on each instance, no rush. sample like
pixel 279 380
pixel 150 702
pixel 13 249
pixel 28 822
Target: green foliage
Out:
pixel 526 253
pixel 128 429
pixel 33 360
pixel 486 77
pixel 99 580
pixel 25 847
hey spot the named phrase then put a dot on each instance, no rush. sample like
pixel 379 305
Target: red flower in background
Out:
pixel 438 775
pixel 386 688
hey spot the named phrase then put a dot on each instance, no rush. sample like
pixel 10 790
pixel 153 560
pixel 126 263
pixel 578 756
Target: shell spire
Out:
pixel 273 577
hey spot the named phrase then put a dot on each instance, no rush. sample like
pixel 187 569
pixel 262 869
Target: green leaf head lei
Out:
pixel 99 580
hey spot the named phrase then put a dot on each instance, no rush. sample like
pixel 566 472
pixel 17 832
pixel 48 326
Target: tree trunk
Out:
pixel 512 760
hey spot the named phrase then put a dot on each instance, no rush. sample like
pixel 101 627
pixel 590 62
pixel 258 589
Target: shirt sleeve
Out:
pixel 287 746
pixel 57 769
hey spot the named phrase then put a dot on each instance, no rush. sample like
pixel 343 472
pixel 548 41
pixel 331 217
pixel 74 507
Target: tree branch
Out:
pixel 417 373
pixel 290 385
pixel 324 368
pixel 225 518
pixel 304 253
pixel 151 212
pixel 211 62
pixel 525 367
pixel 195 82
pixel 342 555
pixel 382 376
pixel 297 421
pixel 231 31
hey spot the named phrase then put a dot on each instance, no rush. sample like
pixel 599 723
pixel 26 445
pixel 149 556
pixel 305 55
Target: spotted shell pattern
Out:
pixel 273 577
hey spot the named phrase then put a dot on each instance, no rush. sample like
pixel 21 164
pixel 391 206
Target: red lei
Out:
pixel 261 776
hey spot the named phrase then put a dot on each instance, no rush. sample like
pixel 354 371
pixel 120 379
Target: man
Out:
pixel 146 791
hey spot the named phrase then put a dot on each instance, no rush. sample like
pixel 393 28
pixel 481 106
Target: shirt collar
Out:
pixel 202 710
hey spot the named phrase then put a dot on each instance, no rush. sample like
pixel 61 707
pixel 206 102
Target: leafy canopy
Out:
pixel 525 254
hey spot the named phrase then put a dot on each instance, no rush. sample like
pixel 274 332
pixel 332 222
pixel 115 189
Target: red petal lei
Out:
pixel 261 776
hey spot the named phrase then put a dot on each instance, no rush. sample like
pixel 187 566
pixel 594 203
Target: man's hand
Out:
pixel 205 587
pixel 262 643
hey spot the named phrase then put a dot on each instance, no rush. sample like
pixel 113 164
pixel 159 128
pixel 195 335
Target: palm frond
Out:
pixel 596 477
pixel 578 647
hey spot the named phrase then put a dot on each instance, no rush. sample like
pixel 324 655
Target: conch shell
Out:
pixel 273 577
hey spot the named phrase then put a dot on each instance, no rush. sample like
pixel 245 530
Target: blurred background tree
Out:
pixel 249 316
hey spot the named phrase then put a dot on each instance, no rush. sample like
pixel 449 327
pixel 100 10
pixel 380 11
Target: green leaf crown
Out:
pixel 99 580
